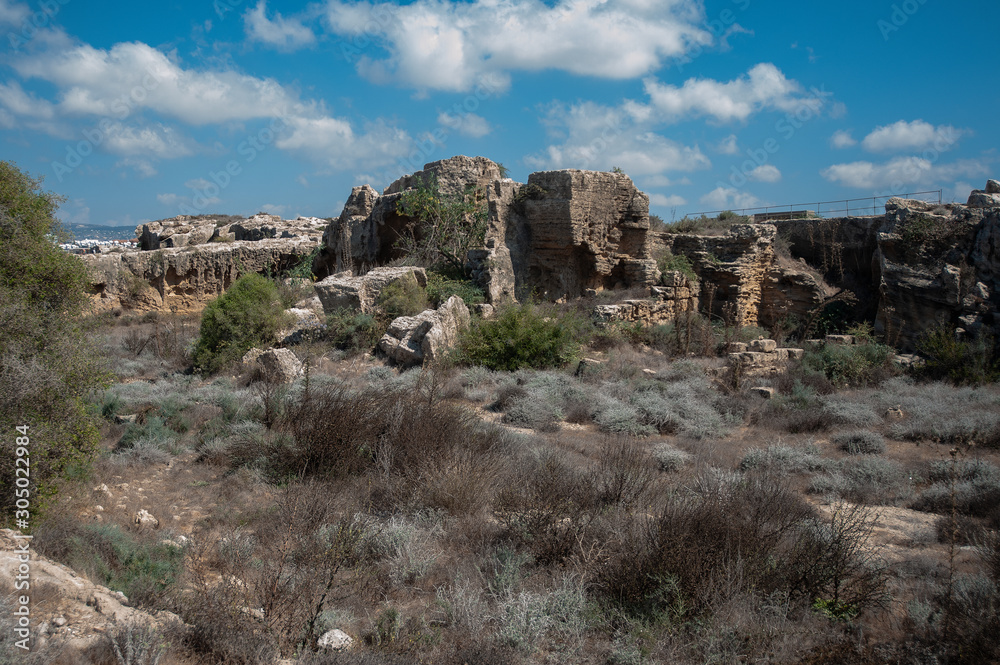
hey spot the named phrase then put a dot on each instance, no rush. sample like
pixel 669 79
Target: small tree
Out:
pixel 48 366
pixel 249 314
pixel 444 227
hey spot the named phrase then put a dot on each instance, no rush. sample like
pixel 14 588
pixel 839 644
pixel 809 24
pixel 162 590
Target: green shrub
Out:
pixel 668 262
pixel 142 570
pixel 353 331
pixel 520 336
pixel 852 365
pixel 441 286
pixel 860 442
pixel 963 362
pixel 404 297
pixel 249 314
pixel 49 366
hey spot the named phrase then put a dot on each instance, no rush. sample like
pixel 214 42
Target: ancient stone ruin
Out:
pixel 569 233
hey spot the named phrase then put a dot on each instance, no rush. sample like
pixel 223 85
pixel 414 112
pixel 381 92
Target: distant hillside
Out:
pixel 98 232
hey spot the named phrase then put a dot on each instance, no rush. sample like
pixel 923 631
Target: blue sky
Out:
pixel 234 106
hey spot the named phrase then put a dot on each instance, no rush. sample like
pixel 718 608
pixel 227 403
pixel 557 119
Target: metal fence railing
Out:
pixel 871 205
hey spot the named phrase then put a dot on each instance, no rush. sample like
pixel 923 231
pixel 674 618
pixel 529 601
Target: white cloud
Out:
pixel 916 135
pixel 902 172
pixel 334 142
pixel 143 167
pixel 131 76
pixel 728 198
pixel 433 44
pixel 168 199
pixel 151 140
pixel 468 124
pixel 764 87
pixel 765 173
pixel 961 191
pixel 74 211
pixel 842 139
pixel 274 209
pixel 281 33
pixel 728 145
pixel 658 180
pixel 667 201
pixel 197 184
pixel 19 108
pixel 13 13
pixel 598 137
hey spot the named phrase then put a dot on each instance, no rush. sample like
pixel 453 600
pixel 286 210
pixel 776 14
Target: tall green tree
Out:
pixel 48 366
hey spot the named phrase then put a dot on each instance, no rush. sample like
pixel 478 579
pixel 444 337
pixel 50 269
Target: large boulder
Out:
pixel 980 199
pixel 412 340
pixel 360 292
pixel 273 365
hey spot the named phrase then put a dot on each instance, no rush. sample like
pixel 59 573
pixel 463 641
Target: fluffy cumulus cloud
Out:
pixel 156 140
pixel 842 139
pixel 450 45
pixel 728 146
pixel 916 135
pixel 19 108
pixel 134 76
pixel 599 137
pixel 666 201
pixel 902 172
pixel 764 87
pixel 280 33
pixel 765 173
pixel 466 124
pixel 728 198
pixel 120 85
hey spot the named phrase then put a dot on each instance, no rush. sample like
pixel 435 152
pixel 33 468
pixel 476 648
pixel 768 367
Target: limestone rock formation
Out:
pixel 565 232
pixel 76 613
pixel 733 269
pixel 558 235
pixel 347 291
pixel 185 279
pixel 412 340
pixel 188 231
pixel 664 306
pixel 931 259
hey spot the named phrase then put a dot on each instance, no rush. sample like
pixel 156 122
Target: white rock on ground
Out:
pixel 335 640
pixel 412 340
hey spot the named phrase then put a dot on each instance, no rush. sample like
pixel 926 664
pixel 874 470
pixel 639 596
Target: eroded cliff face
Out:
pixel 733 269
pixel 558 235
pixel 185 279
pixel 939 266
